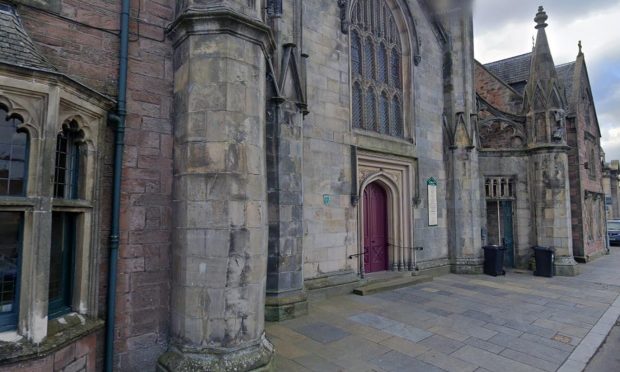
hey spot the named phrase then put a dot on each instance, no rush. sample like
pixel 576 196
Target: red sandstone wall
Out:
pixel 90 56
pixel 83 355
pixel 580 155
pixel 495 92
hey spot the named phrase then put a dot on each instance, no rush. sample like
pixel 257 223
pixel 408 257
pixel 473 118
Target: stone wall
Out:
pixel 587 194
pixel 331 229
pixel 81 40
pixel 516 166
pixel 495 92
pixel 430 142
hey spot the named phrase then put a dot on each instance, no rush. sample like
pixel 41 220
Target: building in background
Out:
pixel 610 185
pixel 540 153
pixel 274 152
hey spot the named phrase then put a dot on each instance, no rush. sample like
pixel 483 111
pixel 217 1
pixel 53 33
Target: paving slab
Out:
pixel 459 323
pixel 524 358
pixel 491 361
pixel 322 332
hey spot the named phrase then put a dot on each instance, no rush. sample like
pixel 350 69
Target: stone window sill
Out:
pixel 383 137
pixel 61 332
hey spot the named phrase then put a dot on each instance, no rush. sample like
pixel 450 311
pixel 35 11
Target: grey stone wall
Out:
pixel 516 166
pixel 331 231
pixel 429 140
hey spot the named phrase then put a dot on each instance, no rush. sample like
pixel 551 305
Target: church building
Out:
pixel 173 174
pixel 540 150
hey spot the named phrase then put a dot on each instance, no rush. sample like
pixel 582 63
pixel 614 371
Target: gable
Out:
pixel 582 101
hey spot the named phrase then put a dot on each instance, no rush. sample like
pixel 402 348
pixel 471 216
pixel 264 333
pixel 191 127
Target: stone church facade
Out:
pixel 273 152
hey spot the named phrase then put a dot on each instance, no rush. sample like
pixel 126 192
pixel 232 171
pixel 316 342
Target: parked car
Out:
pixel 613 229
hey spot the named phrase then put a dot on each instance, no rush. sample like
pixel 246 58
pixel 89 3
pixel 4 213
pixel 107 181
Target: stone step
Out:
pixel 390 284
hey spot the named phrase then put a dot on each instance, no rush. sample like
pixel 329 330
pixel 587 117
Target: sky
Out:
pixel 504 28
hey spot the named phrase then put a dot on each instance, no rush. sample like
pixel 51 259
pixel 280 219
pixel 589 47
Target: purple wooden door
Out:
pixel 375 229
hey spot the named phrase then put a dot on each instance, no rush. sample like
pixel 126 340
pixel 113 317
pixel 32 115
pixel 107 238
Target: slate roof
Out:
pixel 515 71
pixel 16 47
pixel 565 75
pixel 512 70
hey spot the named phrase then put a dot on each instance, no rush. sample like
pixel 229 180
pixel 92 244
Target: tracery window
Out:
pixel 13 164
pixel 13 145
pixel 376 65
pixel 67 163
pixel 48 206
pixel 500 188
pixel 64 224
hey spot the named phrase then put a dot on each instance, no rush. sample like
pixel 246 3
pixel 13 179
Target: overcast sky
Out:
pixel 504 28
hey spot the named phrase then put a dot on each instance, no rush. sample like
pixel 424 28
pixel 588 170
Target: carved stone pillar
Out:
pixel 551 203
pixel 460 122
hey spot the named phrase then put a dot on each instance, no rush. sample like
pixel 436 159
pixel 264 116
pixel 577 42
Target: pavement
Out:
pixel 459 323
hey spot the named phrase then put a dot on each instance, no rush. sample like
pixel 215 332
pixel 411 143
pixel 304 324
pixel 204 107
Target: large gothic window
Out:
pixel 376 56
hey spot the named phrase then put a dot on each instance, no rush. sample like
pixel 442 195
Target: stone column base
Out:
pixel 467 266
pixel 285 306
pixel 256 357
pixel 566 266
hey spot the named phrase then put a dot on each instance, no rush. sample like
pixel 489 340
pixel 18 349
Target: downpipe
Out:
pixel 118 121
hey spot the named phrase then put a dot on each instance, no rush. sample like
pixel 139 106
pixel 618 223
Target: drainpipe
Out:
pixel 118 120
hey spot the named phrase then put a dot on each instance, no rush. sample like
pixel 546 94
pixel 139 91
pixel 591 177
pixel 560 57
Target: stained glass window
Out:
pixel 369 59
pixel 395 69
pixel 396 128
pixel 384 115
pixel 382 68
pixel 356 51
pixel 357 106
pixel 376 69
pixel 13 151
pixel 371 111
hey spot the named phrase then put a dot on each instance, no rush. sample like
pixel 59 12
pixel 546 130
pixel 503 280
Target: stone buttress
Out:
pixel 464 205
pixel 220 190
pixel 286 107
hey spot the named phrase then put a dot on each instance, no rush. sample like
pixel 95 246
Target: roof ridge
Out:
pixel 509 58
pixel 565 64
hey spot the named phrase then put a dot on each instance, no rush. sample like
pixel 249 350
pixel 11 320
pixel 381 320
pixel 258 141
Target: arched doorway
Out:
pixel 375 228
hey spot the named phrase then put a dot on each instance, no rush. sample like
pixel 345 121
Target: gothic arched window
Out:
pixel 67 163
pixel 13 149
pixel 376 56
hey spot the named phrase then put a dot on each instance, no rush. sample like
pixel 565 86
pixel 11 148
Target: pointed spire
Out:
pixel 543 67
pixel 542 88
